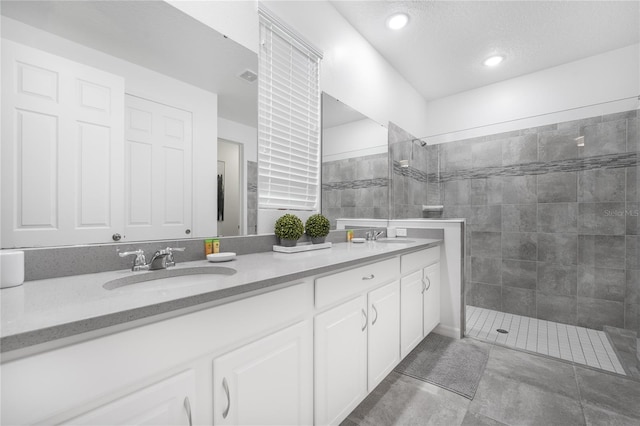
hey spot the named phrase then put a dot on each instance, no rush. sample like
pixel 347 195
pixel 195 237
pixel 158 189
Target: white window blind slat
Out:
pixel 288 120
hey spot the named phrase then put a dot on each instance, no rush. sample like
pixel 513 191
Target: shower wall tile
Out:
pixel 558 217
pixel 456 155
pixel 519 245
pixel 486 218
pixel 519 301
pixel 579 124
pixel 601 283
pixel 605 138
pixel 554 278
pixel 520 149
pixel 486 244
pixel 603 251
pixel 601 185
pixel 519 273
pixel 519 218
pixel 485 296
pixel 596 313
pixel 633 252
pixel 633 184
pixel 486 270
pixel 558 187
pixel 632 286
pixel 486 154
pixel 625 115
pixel 632 214
pixel 633 136
pixel 457 192
pixel 601 218
pixel 558 248
pixel 632 317
pixel 486 191
pixel 556 308
pixel 519 189
pixel 558 145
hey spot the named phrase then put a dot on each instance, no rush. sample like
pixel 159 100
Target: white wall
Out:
pixel 585 88
pixel 151 85
pixel 355 139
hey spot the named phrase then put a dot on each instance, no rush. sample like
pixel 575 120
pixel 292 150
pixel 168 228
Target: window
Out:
pixel 288 119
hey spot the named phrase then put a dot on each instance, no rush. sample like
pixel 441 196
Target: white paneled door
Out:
pixel 158 170
pixel 62 150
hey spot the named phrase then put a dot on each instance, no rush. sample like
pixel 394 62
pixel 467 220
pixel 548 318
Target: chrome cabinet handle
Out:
pixel 424 286
pixel 376 318
pixel 187 407
pixel 366 320
pixel 369 277
pixel 429 281
pixel 225 386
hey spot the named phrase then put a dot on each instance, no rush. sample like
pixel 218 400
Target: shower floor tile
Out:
pixel 578 344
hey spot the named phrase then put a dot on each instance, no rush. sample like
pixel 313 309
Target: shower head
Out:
pixel 422 143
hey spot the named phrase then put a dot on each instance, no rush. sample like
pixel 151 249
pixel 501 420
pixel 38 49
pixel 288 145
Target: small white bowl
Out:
pixel 358 240
pixel 221 257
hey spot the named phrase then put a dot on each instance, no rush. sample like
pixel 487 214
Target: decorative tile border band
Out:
pixel 609 161
pixel 413 173
pixel 356 184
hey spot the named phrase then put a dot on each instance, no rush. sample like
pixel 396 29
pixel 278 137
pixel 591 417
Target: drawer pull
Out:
pixel 225 386
pixel 187 407
pixel 364 314
pixel 376 318
pixel 426 287
pixel 369 277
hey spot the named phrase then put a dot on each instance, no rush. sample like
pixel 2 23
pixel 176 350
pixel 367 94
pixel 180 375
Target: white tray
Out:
pixel 301 247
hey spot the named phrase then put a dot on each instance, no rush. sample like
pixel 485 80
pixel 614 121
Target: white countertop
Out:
pixel 46 310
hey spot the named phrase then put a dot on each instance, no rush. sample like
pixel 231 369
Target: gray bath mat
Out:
pixel 455 365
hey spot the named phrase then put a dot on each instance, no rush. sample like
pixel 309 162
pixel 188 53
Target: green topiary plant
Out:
pixel 289 227
pixel 317 228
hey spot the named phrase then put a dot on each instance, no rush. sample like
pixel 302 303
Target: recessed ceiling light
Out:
pixel 397 21
pixel 493 60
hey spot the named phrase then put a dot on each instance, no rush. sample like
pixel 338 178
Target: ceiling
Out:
pixel 157 36
pixel 440 52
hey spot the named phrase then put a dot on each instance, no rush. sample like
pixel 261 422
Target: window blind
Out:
pixel 288 120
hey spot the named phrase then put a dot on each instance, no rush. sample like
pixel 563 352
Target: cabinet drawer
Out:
pixel 335 287
pixel 413 261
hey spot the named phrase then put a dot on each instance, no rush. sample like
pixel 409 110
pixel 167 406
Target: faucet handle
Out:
pixel 172 249
pixel 139 254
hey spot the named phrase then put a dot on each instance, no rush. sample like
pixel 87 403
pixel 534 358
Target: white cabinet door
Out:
pixel 169 402
pixel 431 297
pixel 411 310
pixel 158 167
pixel 62 150
pixel 268 382
pixel 384 332
pixel 340 360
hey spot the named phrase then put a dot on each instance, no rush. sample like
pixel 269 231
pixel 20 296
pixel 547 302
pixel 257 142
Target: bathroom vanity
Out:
pixel 286 339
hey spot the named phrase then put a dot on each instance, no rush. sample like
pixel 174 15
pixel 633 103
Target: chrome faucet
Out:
pixel 162 259
pixel 371 235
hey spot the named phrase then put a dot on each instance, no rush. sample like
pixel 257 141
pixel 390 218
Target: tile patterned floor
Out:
pixel 568 342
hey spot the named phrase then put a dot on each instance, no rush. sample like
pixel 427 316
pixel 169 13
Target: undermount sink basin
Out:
pixel 169 278
pixel 394 240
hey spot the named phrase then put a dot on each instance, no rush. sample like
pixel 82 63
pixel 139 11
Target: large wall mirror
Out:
pixel 355 171
pixel 78 79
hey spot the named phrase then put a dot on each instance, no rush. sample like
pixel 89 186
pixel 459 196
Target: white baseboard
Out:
pixel 447 331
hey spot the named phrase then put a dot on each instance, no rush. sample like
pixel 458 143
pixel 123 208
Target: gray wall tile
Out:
pixel 579 124
pixel 519 301
pixel 603 251
pixel 601 185
pixel 558 187
pixel 486 270
pixel 520 189
pixel 632 286
pixel 486 154
pixel 486 244
pixel 554 278
pixel 632 317
pixel 558 248
pixel 601 283
pixel 520 149
pixel 632 214
pixel 558 145
pixel 605 138
pixel 558 217
pixel 633 183
pixel 601 218
pixel 486 191
pixel 556 308
pixel 486 218
pixel 456 155
pixel 486 296
pixel 519 273
pixel 519 217
pixel 633 136
pixel 633 252
pixel 519 245
pixel 596 313
pixel 457 192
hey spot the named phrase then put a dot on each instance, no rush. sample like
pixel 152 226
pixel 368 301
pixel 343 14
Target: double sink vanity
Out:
pixel 268 338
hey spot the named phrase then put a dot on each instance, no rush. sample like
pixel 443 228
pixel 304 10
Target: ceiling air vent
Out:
pixel 249 76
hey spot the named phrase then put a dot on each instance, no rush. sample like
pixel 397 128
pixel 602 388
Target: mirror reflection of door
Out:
pixel 230 155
